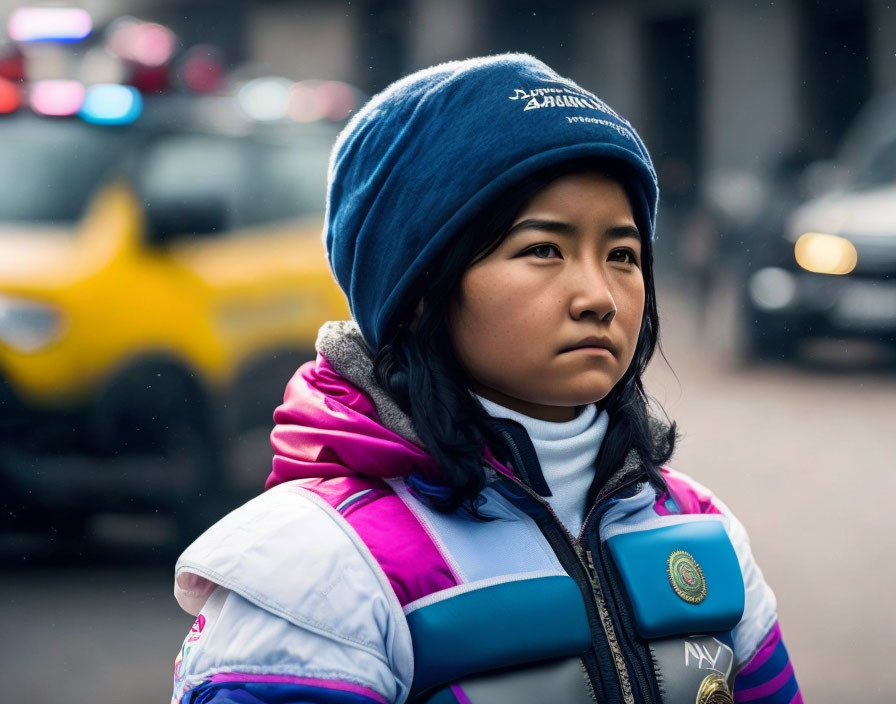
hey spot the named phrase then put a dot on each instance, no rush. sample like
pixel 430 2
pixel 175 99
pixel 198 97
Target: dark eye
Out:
pixel 626 256
pixel 543 251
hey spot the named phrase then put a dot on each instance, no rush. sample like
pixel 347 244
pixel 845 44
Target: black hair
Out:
pixel 419 367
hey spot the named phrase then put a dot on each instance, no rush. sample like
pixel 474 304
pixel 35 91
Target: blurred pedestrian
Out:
pixel 700 258
pixel 469 500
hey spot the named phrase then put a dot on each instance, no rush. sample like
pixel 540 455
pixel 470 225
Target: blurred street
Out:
pixel 802 454
pixel 804 457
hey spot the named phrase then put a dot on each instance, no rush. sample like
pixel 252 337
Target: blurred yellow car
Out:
pixel 157 289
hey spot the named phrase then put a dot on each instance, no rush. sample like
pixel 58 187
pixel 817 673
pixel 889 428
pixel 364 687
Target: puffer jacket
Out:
pixel 339 584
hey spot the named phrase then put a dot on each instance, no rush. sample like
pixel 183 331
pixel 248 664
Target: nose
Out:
pixel 590 294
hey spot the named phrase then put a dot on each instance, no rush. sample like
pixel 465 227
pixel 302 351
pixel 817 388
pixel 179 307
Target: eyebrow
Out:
pixel 565 228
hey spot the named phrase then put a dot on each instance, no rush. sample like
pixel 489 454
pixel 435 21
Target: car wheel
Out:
pixel 769 345
pixel 154 423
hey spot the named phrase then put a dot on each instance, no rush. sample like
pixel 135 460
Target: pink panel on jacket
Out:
pixel 687 494
pixel 327 427
pixel 412 562
pixel 335 491
pixel 328 435
pixel 396 539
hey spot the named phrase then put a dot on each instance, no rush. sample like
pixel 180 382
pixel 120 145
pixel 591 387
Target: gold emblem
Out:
pixel 714 690
pixel 686 577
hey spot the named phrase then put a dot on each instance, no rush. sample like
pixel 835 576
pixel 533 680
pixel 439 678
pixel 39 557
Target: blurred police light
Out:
pixel 146 43
pixel 10 96
pixel 12 62
pixel 312 100
pixel 305 102
pixel 339 98
pixel 202 69
pixel 56 97
pixel 265 99
pixel 825 254
pixel 110 104
pixel 60 24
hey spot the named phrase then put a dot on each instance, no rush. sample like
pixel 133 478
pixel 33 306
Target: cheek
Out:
pixel 635 299
pixel 630 311
pixel 474 326
pixel 486 323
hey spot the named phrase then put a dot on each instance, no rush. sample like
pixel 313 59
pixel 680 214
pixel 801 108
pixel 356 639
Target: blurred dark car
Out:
pixel 818 258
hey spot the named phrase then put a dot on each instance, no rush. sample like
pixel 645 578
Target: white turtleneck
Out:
pixel 566 452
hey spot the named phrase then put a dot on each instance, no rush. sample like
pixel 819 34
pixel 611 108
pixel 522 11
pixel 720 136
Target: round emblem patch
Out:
pixel 686 577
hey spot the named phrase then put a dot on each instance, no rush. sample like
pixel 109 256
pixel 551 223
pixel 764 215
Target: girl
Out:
pixel 469 500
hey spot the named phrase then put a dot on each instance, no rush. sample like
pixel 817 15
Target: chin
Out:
pixel 579 397
pixel 588 393
pixel 591 399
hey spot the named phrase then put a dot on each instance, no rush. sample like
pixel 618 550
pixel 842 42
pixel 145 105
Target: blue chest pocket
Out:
pixel 681 579
pixel 496 626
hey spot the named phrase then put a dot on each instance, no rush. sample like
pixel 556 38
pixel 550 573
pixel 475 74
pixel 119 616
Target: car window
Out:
pixel 215 185
pixel 193 184
pixel 870 135
pixel 56 165
pixel 880 169
pixel 289 180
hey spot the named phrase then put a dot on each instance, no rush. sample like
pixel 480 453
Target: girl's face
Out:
pixel 550 319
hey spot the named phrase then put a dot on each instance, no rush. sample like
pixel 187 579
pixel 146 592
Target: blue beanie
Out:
pixel 428 153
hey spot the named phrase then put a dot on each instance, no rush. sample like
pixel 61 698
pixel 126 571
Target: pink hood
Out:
pixel 328 428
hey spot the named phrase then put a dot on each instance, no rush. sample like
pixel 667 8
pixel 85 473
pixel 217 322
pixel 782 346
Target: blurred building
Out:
pixel 712 84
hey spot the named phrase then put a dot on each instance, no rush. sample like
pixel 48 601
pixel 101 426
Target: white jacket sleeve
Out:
pixel 283 588
pixel 760 605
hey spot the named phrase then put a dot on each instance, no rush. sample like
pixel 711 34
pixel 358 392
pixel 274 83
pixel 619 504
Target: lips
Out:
pixel 592 341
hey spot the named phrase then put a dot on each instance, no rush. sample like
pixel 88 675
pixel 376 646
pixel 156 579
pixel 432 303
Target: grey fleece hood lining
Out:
pixel 343 346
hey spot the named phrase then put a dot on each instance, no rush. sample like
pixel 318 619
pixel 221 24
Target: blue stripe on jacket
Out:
pixel 773 682
pixel 270 693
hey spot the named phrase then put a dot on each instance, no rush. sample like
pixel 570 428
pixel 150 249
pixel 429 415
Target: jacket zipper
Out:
pixel 606 622
pixel 637 654
pixel 598 666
